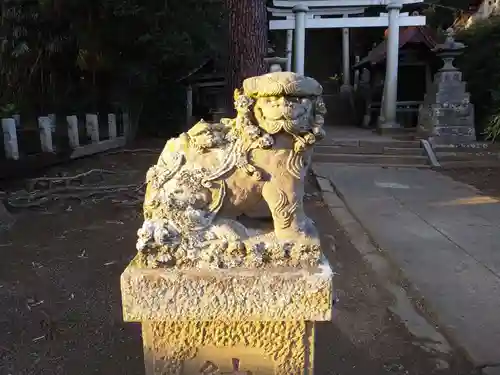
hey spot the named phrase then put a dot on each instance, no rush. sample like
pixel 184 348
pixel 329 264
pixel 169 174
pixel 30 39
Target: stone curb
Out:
pixel 421 325
pixel 429 151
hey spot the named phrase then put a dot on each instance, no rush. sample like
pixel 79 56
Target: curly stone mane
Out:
pixel 249 113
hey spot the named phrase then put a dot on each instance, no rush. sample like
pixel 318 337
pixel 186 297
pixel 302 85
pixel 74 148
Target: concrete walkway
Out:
pixel 443 235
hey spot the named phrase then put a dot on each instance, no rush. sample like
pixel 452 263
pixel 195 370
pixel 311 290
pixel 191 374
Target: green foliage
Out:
pixel 493 128
pixel 7 110
pixel 82 55
pixel 480 64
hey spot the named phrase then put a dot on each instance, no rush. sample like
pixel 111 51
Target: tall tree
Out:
pixel 248 28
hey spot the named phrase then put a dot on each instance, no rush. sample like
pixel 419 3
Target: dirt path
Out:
pixel 60 299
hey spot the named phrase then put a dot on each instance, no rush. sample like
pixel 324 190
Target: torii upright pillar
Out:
pixel 346 60
pixel 387 121
pixel 289 50
pixel 300 11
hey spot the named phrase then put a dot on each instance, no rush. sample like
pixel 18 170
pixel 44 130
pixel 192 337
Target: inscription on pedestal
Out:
pixel 229 361
pixel 210 368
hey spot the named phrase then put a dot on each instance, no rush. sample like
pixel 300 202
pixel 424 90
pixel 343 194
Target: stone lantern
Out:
pixel 447 115
pixel 448 51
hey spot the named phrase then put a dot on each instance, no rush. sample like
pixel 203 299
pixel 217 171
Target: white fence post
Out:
pixel 74 140
pixel 45 127
pixel 10 138
pixel 112 126
pixel 92 127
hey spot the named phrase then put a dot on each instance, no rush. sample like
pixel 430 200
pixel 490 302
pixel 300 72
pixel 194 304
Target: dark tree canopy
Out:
pixel 480 67
pixel 443 13
pixel 75 55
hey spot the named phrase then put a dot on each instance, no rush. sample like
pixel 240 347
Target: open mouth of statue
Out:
pixel 298 124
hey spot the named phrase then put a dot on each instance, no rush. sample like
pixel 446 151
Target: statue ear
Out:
pixel 237 94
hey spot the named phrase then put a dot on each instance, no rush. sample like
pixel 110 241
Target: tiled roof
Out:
pixel 411 34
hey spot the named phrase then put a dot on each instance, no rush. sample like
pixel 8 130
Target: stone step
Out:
pixel 452 139
pixel 338 142
pixel 344 149
pixel 410 135
pixel 404 151
pixel 457 156
pixel 377 159
pixel 369 143
pixel 468 147
pixel 385 165
pixel 372 149
pixel 392 144
pixel 478 163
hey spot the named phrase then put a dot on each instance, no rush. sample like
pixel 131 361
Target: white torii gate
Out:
pixel 316 13
pixel 393 20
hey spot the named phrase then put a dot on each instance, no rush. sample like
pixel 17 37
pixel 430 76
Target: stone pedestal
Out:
pixel 228 321
pixel 447 115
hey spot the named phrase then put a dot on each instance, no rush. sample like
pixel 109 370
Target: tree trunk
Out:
pixel 247 43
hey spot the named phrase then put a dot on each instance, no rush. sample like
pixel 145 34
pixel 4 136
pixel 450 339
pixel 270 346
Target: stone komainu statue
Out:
pixel 254 166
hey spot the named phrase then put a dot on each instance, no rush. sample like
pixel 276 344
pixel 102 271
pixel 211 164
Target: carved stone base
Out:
pixel 234 321
pixel 236 348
